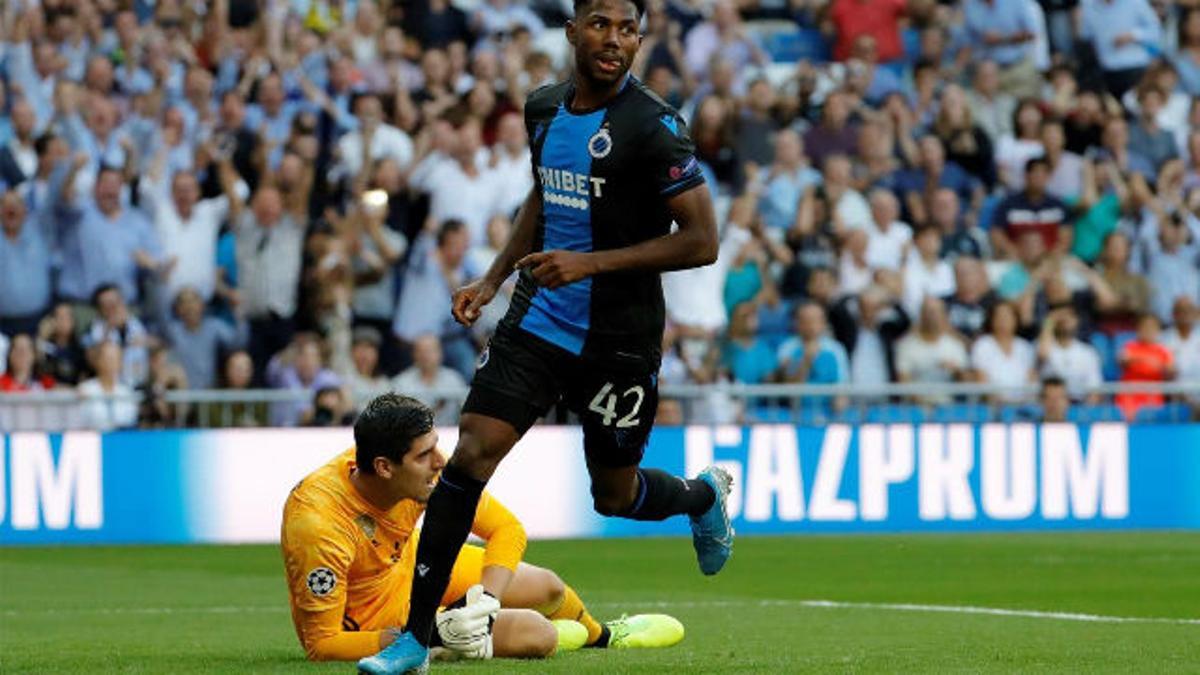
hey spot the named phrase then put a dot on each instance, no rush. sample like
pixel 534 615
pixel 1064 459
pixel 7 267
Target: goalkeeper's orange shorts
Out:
pixel 468 571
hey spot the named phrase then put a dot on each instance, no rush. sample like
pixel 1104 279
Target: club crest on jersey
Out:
pixel 321 581
pixel 367 523
pixel 600 144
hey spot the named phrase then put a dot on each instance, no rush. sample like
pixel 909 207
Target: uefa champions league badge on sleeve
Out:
pixel 321 581
pixel 600 144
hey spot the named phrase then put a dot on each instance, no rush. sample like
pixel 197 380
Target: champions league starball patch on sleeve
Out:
pixel 321 581
pixel 688 167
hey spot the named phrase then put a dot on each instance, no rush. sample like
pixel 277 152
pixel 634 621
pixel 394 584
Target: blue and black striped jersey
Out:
pixel 605 177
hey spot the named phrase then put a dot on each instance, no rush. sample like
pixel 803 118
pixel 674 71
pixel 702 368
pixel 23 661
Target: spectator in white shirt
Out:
pixel 510 158
pixel 991 106
pixel 1000 357
pixel 854 270
pixel 362 377
pixel 1183 339
pixel 428 380
pixel 1023 144
pixel 1063 355
pixel 107 403
pixel 1167 256
pixel 868 326
pixel 888 236
pixel 930 354
pixel 372 141
pixel 18 157
pixel 497 18
pixel 925 274
pixel 115 323
pixel 1066 167
pixel 850 209
pixel 376 251
pixel 722 36
pixel 187 228
pixel 458 187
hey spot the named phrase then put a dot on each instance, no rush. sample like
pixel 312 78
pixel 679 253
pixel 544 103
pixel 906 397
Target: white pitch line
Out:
pixel 681 604
pixel 909 607
pixel 104 611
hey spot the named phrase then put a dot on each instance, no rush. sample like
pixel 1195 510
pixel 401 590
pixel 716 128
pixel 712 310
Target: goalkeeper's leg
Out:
pixel 542 590
pixel 523 634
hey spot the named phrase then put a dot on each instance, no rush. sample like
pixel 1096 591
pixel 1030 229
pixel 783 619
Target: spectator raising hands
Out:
pixel 237 195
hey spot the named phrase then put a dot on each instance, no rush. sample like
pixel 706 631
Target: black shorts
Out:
pixel 520 376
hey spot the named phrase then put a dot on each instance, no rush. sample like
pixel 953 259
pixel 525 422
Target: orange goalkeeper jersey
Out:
pixel 349 565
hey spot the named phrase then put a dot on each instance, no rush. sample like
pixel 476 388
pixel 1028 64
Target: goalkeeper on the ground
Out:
pixel 349 543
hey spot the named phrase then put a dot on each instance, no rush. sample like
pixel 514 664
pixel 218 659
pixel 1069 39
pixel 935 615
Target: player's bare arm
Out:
pixel 469 299
pixel 693 244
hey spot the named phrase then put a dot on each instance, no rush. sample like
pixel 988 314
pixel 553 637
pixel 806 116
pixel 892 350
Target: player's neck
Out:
pixel 371 492
pixel 590 95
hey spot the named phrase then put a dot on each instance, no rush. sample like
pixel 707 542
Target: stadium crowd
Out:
pixel 234 195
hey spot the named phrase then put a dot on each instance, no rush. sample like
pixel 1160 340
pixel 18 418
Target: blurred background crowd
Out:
pixel 240 195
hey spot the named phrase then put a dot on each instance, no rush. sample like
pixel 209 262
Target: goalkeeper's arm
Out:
pixel 466 626
pixel 324 640
pixel 506 541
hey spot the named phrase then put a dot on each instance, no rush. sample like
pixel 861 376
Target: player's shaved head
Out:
pixel 387 428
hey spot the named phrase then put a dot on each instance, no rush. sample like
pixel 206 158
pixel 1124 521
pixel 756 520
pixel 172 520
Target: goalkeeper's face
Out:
pixel 415 475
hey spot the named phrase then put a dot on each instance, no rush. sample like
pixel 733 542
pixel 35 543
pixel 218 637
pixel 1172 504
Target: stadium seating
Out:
pixel 896 414
pixel 1020 413
pixel 800 45
pixel 1089 414
pixel 1165 414
pixel 961 412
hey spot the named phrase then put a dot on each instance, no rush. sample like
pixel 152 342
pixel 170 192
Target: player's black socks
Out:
pixel 602 641
pixel 448 519
pixel 661 495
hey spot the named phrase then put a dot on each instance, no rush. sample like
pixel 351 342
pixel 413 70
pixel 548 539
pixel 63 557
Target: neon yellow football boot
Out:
pixel 644 631
pixel 572 635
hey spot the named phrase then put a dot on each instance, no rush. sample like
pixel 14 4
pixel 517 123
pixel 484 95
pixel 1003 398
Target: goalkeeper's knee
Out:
pixel 523 633
pixel 542 639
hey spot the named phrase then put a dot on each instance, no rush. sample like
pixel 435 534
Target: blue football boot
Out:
pixel 404 655
pixel 712 535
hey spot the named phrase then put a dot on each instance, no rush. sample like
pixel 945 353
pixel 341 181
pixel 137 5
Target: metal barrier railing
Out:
pixel 715 403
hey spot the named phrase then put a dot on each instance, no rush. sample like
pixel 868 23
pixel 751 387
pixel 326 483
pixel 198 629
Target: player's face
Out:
pixel 606 38
pixel 419 469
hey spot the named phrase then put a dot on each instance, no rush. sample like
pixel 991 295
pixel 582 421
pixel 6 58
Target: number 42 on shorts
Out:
pixel 605 404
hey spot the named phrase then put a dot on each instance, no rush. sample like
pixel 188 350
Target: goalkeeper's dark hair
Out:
pixel 387 428
pixel 582 5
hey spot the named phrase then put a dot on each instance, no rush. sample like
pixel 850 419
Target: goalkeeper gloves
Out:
pixel 467 629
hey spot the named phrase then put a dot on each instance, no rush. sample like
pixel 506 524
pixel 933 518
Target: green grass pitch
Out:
pixel 223 609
